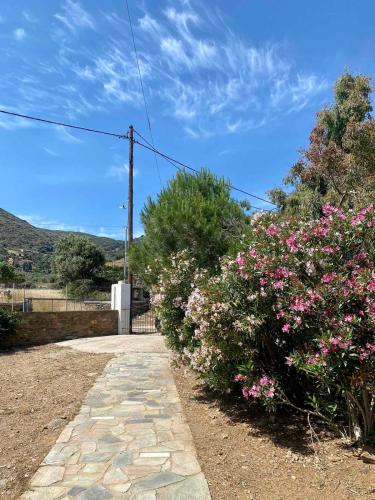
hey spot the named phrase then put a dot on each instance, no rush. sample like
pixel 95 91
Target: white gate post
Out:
pixel 120 301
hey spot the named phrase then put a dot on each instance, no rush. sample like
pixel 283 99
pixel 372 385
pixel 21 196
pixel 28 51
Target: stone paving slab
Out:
pixel 130 439
pixel 118 344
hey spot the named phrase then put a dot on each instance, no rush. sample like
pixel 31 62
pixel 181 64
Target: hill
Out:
pixel 27 246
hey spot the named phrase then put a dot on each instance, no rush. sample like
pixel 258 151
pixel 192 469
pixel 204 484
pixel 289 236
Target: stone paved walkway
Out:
pixel 130 439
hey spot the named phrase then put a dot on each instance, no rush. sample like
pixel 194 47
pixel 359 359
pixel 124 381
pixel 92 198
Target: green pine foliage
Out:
pixel 194 213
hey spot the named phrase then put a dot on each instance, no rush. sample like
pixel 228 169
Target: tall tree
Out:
pixel 7 273
pixel 339 163
pixel 194 213
pixel 76 258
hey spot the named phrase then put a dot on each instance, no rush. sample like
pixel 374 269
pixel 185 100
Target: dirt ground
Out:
pixel 41 390
pixel 245 455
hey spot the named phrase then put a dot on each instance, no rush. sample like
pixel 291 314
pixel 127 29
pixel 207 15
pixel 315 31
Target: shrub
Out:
pixel 8 322
pixel 80 289
pixel 291 319
pixel 169 298
pixel 76 258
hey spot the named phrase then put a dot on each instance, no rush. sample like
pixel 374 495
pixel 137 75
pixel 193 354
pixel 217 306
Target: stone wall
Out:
pixel 37 328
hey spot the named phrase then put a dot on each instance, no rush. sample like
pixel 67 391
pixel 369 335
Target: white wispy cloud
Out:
pixel 115 235
pixel 8 122
pixel 67 136
pixel 219 80
pixel 53 224
pixel 74 16
pixel 194 67
pixel 29 17
pixel 43 222
pixel 120 171
pixel 50 151
pixel 19 34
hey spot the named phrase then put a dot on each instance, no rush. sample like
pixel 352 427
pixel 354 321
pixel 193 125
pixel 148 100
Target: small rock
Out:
pixel 368 458
pixel 56 423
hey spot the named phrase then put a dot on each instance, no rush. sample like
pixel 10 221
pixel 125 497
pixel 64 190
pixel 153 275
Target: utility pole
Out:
pixel 130 214
pixel 125 253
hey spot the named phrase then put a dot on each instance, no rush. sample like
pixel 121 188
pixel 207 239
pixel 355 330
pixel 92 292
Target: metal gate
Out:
pixel 143 318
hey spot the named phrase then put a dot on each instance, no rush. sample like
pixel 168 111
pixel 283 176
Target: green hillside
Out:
pixel 27 245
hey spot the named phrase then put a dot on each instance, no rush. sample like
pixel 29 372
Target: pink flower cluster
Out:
pixel 361 215
pixel 265 388
pixel 334 344
pixel 367 351
pixel 321 275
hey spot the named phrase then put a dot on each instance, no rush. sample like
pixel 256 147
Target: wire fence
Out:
pixel 21 299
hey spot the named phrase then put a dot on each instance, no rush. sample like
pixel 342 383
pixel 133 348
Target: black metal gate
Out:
pixel 143 318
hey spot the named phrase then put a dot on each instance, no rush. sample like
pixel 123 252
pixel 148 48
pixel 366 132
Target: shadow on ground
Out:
pixel 285 428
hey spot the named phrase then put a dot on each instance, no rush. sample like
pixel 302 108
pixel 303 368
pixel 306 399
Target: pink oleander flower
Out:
pixel 323 347
pixel 286 328
pixel 292 243
pixel 240 260
pixel 245 392
pixel 360 256
pixel 278 285
pixel 335 341
pixel 328 249
pixel 240 378
pixel 280 272
pixel 270 393
pixel 299 304
pixel 254 391
pixel 273 230
pixel 265 380
pixel 349 318
pixel 328 209
pixel 280 314
pixel 357 219
pixel 313 359
pixel 262 281
pixel 328 277
pixel 320 231
pixel 289 361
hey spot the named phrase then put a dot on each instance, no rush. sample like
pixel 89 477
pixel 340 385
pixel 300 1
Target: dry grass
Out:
pixel 31 293
pixel 47 300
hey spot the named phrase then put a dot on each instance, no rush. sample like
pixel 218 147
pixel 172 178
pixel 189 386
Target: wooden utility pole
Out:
pixel 130 214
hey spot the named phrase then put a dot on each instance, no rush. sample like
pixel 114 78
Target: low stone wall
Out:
pixel 37 328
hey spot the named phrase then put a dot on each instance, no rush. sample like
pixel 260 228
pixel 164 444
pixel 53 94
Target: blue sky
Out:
pixel 232 86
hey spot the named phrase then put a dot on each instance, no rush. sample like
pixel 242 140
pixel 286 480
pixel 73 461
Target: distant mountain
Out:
pixel 27 245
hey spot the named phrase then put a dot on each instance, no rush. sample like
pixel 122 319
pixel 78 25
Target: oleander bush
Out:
pixel 290 320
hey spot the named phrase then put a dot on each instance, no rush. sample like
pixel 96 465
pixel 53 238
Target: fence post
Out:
pixel 66 297
pixel 13 299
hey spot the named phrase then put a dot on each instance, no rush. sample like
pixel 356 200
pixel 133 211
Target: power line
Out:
pixel 175 162
pixel 176 166
pixel 143 91
pixel 68 125
pixel 150 147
